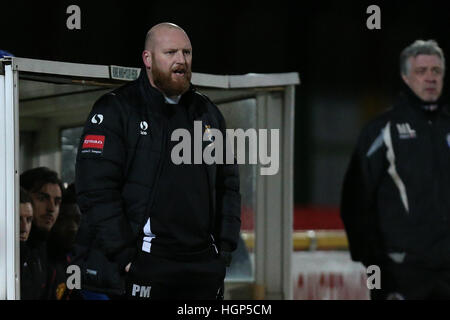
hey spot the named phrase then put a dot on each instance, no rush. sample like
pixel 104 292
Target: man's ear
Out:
pixel 405 79
pixel 147 59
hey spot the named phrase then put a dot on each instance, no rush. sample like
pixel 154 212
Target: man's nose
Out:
pixel 180 58
pixel 22 225
pixel 51 205
pixel 430 77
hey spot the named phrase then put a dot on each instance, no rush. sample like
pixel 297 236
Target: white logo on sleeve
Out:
pixel 97 118
pixel 405 131
pixel 144 127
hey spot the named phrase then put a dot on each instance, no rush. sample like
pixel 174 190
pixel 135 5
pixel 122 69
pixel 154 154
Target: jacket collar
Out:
pixel 152 94
pixel 407 98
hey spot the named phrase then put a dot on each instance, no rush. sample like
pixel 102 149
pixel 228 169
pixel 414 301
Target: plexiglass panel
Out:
pixel 238 115
pixel 242 115
pixel 69 144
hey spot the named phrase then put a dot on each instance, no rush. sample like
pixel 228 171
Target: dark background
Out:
pixel 341 63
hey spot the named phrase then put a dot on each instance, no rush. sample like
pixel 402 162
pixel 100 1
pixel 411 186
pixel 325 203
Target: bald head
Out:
pixel 156 31
pixel 168 57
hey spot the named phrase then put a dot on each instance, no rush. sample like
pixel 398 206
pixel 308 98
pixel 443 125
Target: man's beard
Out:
pixel 163 80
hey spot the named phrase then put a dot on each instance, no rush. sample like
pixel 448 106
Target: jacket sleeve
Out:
pixel 228 197
pixel 99 180
pixel 358 202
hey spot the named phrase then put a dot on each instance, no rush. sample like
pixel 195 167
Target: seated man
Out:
pixel 26 214
pixel 60 244
pixel 29 284
pixel 46 190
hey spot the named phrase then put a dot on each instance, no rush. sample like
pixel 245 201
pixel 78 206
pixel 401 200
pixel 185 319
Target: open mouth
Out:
pixel 179 72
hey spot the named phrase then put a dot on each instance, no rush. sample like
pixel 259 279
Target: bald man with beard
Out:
pixel 150 228
pixel 168 59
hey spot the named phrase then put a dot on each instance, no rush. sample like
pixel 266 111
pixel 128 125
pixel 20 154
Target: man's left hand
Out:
pixel 226 257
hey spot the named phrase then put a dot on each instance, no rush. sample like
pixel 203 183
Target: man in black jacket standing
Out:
pixel 151 228
pixel 395 202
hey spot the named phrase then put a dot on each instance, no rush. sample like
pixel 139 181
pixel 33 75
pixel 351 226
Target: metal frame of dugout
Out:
pixel 42 97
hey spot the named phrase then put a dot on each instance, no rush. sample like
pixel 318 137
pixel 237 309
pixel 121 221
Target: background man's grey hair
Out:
pixel 429 47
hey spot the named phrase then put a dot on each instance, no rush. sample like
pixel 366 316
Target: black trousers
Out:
pixel 409 282
pixel 157 278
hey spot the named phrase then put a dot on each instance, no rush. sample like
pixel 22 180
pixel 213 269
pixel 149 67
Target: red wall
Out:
pixel 305 218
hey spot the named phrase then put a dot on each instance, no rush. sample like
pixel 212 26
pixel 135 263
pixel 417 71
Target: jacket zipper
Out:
pixel 211 195
pixel 158 175
pixel 435 172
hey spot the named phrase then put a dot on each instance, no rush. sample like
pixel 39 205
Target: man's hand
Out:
pixel 226 257
pixel 225 253
pixel 127 268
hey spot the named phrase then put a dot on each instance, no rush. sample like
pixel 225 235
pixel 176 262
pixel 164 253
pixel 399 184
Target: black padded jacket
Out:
pixel 117 170
pixel 395 200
